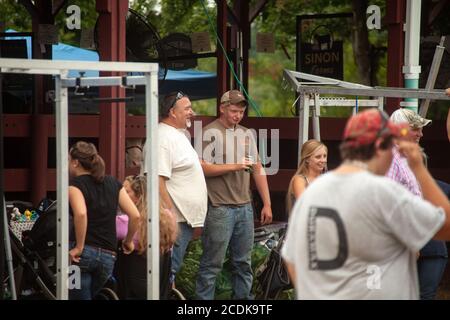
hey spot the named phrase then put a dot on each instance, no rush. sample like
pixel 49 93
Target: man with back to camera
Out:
pixel 433 256
pixel 229 159
pixel 354 233
pixel 182 186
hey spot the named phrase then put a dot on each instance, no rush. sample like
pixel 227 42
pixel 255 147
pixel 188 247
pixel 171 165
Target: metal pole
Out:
pixel 2 240
pixel 316 118
pixel 380 103
pixel 9 260
pixel 434 70
pixel 151 167
pixel 303 122
pixel 411 69
pixel 62 182
pixel 436 94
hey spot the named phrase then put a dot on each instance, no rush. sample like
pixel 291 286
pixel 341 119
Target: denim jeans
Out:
pixel 227 226
pixel 185 233
pixel 430 270
pixel 96 266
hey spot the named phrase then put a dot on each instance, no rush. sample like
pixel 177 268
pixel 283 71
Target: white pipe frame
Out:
pixel 150 79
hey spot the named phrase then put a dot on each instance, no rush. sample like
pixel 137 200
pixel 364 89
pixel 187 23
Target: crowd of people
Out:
pixel 373 228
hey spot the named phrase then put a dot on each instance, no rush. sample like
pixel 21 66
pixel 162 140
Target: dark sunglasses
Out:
pixel 177 97
pixel 137 177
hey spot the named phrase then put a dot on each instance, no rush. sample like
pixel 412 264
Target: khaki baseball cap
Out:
pixel 413 119
pixel 233 97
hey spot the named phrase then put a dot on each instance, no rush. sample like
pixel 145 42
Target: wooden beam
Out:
pixel 232 17
pixel 436 11
pixel 395 18
pixel 222 70
pixel 57 5
pixel 256 9
pixel 31 8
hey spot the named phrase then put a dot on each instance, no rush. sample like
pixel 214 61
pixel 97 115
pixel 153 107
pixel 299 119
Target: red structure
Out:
pixel 112 15
pixel 112 126
pixel 395 18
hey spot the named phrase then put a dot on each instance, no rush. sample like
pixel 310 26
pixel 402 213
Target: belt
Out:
pixel 111 252
pixel 232 205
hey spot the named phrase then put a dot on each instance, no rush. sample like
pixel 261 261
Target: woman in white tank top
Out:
pixel 313 162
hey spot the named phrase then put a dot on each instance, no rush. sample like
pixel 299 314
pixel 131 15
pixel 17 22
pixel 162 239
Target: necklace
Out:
pixel 357 163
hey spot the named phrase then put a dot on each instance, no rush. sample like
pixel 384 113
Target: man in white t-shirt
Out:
pixel 182 185
pixel 354 233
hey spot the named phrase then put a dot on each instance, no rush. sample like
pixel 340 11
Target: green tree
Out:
pixel 14 16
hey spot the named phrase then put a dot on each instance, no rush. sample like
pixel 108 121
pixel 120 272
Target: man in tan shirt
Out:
pixel 229 159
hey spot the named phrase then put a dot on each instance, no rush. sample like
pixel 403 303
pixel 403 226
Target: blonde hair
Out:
pixel 168 229
pixel 168 226
pixel 308 149
pixel 139 186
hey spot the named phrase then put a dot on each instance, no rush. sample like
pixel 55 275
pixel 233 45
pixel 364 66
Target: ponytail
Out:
pixel 98 168
pixel 88 157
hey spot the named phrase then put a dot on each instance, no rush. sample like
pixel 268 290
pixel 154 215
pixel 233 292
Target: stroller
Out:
pixel 272 275
pixel 34 270
pixel 34 258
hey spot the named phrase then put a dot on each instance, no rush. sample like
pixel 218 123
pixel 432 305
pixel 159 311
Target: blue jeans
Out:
pixel 185 233
pixel 431 270
pixel 227 226
pixel 96 266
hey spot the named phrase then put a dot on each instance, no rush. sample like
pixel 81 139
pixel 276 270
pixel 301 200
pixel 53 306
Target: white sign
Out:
pixel 265 42
pixel 200 42
pixel 374 20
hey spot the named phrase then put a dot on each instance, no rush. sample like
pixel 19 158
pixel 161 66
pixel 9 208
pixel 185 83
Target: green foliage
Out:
pixel 88 18
pixel 185 16
pixel 185 281
pixel 14 16
pixel 278 17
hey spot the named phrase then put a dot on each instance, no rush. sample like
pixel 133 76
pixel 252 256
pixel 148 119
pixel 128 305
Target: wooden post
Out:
pixel 111 32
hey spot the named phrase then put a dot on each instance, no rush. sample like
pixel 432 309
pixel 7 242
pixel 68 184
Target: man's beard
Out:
pixel 188 123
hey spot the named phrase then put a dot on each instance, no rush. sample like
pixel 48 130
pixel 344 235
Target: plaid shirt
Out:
pixel 400 172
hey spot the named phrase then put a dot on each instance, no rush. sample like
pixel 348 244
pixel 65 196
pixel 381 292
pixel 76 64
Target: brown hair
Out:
pixel 169 101
pixel 308 148
pixel 88 157
pixel 364 152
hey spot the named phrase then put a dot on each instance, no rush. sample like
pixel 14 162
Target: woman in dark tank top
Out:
pixel 313 162
pixel 93 199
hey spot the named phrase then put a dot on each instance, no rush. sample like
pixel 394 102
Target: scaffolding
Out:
pixel 309 88
pixel 60 69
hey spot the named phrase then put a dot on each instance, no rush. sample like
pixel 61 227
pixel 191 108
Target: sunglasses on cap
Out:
pixel 386 131
pixel 177 97
pixel 140 176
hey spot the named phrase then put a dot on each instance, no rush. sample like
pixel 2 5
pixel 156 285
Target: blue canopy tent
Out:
pixel 197 84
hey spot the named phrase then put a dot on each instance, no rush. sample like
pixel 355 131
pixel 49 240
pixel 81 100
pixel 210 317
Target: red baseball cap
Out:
pixel 367 126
